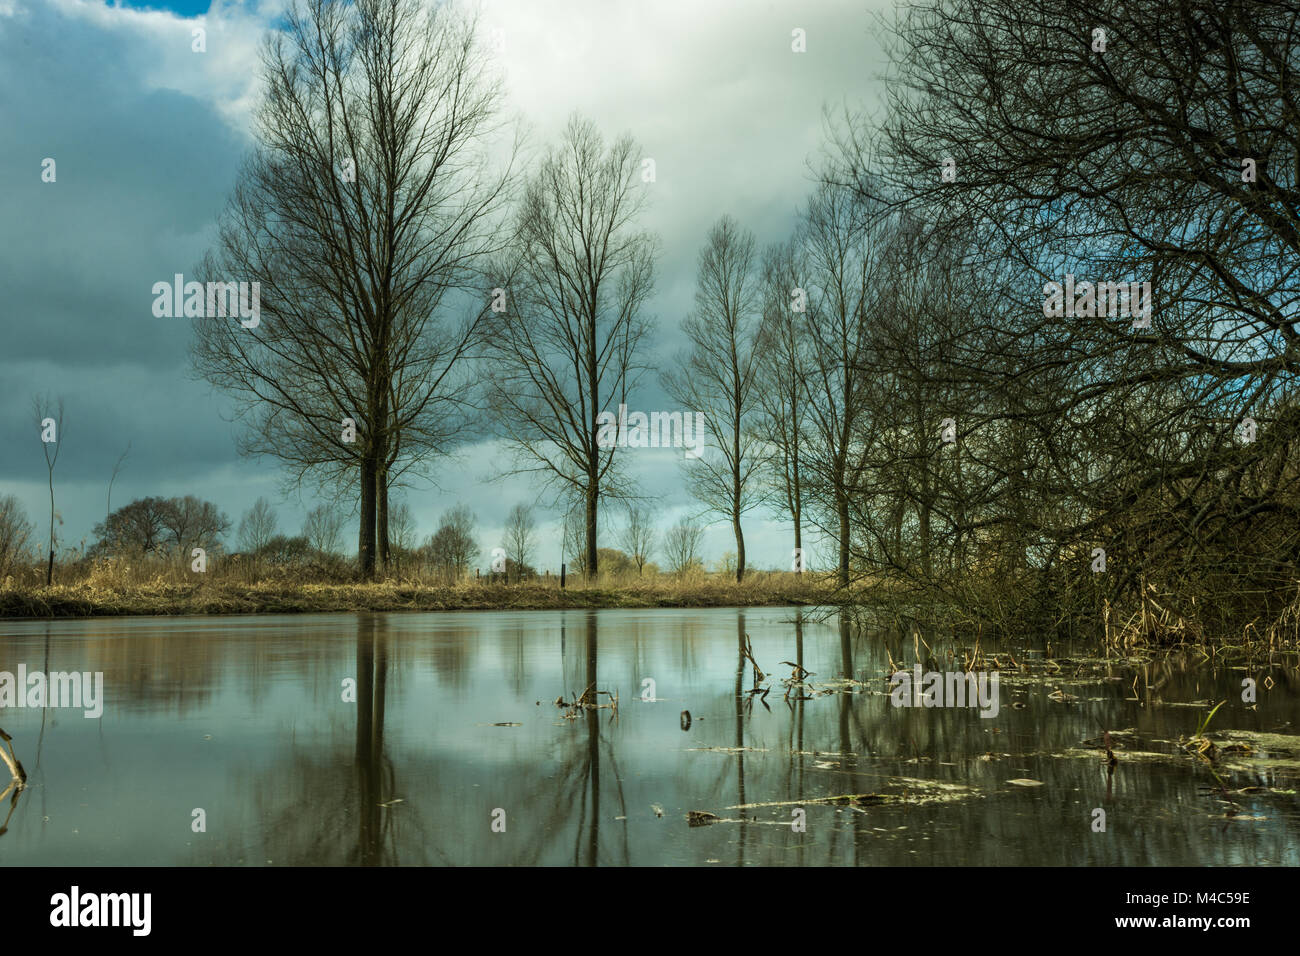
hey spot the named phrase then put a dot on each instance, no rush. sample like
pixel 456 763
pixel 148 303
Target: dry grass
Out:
pixel 102 593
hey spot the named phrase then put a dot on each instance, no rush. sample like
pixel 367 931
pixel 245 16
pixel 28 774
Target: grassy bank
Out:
pixel 94 599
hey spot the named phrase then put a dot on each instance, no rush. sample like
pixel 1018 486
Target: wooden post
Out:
pixel 562 577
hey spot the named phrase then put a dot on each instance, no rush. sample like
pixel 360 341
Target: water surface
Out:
pixel 451 723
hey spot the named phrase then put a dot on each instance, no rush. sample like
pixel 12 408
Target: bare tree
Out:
pixel 519 536
pixel 784 365
pixel 453 548
pixel 192 523
pixel 573 548
pixel 49 421
pixel 638 537
pixel 257 527
pixel 117 467
pixel 365 208
pixel 1099 420
pixel 402 532
pixel 840 240
pixel 682 546
pixel 136 529
pixel 15 535
pixel 719 376
pixel 323 528
pixel 566 349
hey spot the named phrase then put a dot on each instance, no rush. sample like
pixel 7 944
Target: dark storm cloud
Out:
pixel 141 173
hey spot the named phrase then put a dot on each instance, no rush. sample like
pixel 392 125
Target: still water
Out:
pixel 437 739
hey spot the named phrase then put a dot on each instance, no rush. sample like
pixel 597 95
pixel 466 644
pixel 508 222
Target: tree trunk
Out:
pixel 740 548
pixel 49 571
pixel 366 531
pixel 923 519
pixel 381 518
pixel 925 539
pixel 842 509
pixel 798 541
pixel 592 493
pixel 796 511
pixel 896 526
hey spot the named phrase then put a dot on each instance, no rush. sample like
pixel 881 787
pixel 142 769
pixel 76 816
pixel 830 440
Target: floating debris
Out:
pixel 912 791
pixel 586 701
pixel 701 818
pixel 1025 782
pixel 799 672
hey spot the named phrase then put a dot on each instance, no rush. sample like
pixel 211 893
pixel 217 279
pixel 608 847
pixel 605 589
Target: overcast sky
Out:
pixel 147 136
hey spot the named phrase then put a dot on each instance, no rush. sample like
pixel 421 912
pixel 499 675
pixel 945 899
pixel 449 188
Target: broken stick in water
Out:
pixel 11 761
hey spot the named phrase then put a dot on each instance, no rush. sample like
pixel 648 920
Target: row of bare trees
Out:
pixel 374 221
pixel 1085 456
pixel 888 377
pixel 373 213
pixel 921 404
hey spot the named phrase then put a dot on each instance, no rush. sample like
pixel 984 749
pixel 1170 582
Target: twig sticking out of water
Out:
pixel 759 676
pixel 11 761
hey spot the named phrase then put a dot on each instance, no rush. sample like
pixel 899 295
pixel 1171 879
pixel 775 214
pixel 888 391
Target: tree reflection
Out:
pixel 311 819
pixel 373 771
pixel 588 830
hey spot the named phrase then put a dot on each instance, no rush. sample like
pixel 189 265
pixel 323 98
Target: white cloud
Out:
pixel 225 75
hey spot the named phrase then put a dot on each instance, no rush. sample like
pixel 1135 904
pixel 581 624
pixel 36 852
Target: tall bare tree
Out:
pixel 193 523
pixel 719 376
pixel 402 536
pixel 566 347
pixel 453 547
pixel 637 538
pixel 257 527
pixel 323 528
pixel 364 210
pixel 682 545
pixel 784 365
pixel 15 535
pixel 49 422
pixel 840 240
pixel 117 468
pixel 520 536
